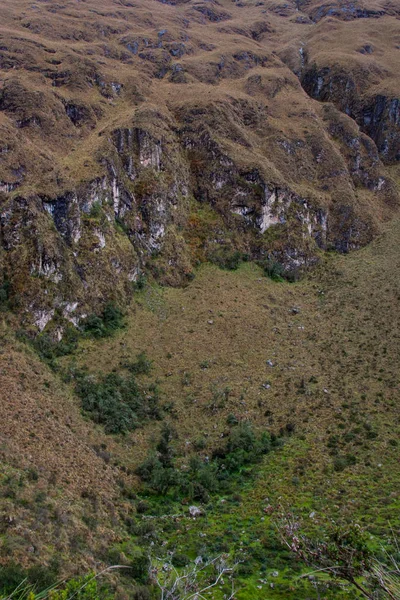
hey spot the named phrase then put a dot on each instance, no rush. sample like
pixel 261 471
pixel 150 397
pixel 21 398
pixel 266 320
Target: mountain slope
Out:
pixel 157 160
pixel 115 117
pixel 315 360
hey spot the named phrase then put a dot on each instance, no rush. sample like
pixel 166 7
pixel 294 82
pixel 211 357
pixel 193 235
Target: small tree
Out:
pixel 192 582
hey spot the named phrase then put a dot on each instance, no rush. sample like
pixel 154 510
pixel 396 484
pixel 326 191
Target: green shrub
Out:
pixel 81 588
pixel 95 210
pixel 225 257
pixel 110 320
pixel 202 478
pixel 276 271
pixel 139 568
pixel 47 347
pixel 244 447
pixel 232 419
pixel 50 349
pixel 13 575
pixel 142 507
pixel 273 269
pixel 141 592
pixel 340 463
pixel 4 296
pixel 200 443
pixel 140 282
pixel 163 479
pixel 179 560
pixel 146 469
pixel 164 448
pixel 141 366
pixel 117 402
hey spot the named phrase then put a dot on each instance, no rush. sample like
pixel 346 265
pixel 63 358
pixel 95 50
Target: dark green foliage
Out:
pixel 141 592
pixel 139 568
pixel 42 577
pixel 340 463
pixel 244 447
pixel 226 258
pixel 141 366
pixel 13 575
pixel 370 434
pixel 232 419
pixel 117 402
pixel 112 317
pixel 82 588
pixel 147 468
pixel 164 478
pixel 164 447
pixel 179 560
pixel 273 269
pixel 95 211
pixel 110 320
pixel 50 349
pixel 4 296
pixel 202 478
pixel 200 443
pixel 142 507
pixel 140 282
pixel 276 271
pixel 93 325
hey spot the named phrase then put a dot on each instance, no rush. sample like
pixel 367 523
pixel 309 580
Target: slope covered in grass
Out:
pixel 313 362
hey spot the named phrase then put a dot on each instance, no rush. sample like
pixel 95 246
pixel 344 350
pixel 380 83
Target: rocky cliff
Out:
pixel 151 137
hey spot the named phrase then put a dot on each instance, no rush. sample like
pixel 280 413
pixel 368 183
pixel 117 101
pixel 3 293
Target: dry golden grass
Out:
pixel 83 48
pixel 339 347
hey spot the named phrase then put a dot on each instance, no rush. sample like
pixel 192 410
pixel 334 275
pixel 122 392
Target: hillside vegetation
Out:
pixel 199 292
pixel 312 363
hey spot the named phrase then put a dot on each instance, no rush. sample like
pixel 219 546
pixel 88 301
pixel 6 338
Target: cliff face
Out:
pixel 377 115
pixel 157 136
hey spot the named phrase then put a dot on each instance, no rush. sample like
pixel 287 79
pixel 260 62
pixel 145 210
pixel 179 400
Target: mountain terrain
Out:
pixel 199 286
pixel 118 120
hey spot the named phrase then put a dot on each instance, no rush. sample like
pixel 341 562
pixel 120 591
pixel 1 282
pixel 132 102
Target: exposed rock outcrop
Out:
pixel 378 116
pixel 183 134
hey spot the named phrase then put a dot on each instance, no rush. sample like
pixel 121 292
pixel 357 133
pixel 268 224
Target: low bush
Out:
pixel 139 568
pixel 341 463
pixel 204 477
pixel 4 296
pixel 141 592
pixel 95 210
pixel 141 366
pixel 81 588
pixel 276 271
pixel 273 269
pixel 13 575
pixel 104 325
pixel 49 349
pixel 117 402
pixel 225 257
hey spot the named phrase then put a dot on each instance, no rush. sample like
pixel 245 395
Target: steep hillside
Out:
pixel 118 119
pixel 199 286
